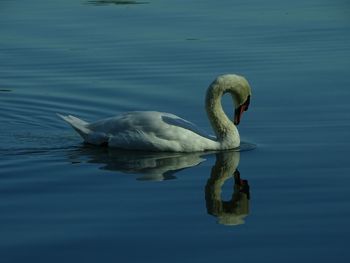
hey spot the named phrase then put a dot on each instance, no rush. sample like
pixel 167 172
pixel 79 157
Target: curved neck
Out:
pixel 223 127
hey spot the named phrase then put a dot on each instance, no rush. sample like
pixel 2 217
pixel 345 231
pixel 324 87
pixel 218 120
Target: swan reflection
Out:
pixel 163 166
pixel 233 211
pixel 152 166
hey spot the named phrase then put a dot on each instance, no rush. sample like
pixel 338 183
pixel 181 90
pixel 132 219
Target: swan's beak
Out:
pixel 239 111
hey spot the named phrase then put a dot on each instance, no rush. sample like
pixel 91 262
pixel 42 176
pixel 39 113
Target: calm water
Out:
pixel 62 201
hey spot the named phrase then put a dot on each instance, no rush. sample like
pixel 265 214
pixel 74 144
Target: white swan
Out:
pixel 158 131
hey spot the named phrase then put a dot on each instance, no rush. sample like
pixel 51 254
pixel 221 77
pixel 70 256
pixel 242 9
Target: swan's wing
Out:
pixel 176 121
pixel 156 131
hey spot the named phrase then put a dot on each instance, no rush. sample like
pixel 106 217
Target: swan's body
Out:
pixel 158 131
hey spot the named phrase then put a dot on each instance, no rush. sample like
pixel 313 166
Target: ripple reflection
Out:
pixel 115 2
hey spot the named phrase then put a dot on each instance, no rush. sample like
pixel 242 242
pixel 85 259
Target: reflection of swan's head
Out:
pixel 233 211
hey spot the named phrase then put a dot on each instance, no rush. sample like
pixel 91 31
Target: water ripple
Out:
pixel 115 2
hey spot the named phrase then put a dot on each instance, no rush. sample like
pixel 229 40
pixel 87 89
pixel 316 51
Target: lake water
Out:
pixel 63 201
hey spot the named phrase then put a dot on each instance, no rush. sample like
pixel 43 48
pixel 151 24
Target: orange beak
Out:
pixel 239 111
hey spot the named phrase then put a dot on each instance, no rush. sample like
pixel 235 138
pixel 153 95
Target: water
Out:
pixel 65 201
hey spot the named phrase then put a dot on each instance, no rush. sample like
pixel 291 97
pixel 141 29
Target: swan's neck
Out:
pixel 226 132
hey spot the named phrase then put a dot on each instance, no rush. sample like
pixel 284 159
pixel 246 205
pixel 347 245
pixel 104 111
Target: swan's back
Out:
pixel 148 130
pixel 151 130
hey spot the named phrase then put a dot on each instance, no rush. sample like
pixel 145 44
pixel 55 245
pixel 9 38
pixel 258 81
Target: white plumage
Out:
pixel 159 131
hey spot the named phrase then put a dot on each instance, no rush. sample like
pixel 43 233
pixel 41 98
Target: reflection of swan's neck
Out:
pixel 224 129
pixel 234 211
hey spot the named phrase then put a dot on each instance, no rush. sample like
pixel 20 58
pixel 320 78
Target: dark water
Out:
pixel 62 201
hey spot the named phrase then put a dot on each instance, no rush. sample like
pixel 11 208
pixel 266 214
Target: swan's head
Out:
pixel 240 90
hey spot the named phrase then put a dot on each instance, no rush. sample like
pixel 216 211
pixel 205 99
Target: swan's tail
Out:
pixel 79 125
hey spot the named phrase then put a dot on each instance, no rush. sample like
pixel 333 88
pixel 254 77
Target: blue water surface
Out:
pixel 287 200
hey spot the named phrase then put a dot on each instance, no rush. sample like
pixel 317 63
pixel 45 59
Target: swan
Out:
pixel 159 131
